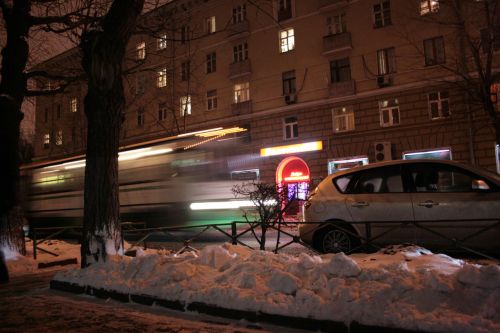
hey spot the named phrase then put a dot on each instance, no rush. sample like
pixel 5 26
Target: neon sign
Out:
pixel 291 149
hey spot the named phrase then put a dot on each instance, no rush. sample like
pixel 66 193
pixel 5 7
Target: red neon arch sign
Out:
pixel 292 170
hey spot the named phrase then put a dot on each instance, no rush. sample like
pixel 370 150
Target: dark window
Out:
pixel 240 52
pixel 288 82
pixel 140 117
pixel 185 70
pixel 340 70
pixel 290 128
pixel 211 63
pixel 434 51
pixel 490 38
pixel 382 14
pixel 162 111
pixel 386 61
pixel 46 115
pixel 211 99
pixel 284 10
pixel 58 113
pixel 239 13
pixel 184 34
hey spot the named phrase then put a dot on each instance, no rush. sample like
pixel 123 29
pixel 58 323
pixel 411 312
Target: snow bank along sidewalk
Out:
pixel 408 287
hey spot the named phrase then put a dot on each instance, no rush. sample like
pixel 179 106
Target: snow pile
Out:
pixel 407 288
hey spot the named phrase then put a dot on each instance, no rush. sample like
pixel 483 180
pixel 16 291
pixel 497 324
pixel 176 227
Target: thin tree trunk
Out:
pixel 12 89
pixel 103 55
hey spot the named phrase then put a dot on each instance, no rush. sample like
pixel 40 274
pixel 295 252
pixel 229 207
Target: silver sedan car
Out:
pixel 432 203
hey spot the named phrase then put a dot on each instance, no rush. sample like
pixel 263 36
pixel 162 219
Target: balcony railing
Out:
pixel 241 108
pixel 240 68
pixel 237 29
pixel 337 42
pixel 345 88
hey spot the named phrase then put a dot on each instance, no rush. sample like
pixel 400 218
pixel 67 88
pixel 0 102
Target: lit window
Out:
pixel 59 138
pixel 141 51
pixel 343 119
pixel 239 13
pixel 340 70
pixel 162 111
pixel 290 128
pixel 336 24
pixel 241 92
pixel 211 62
pixel 162 78
pixel 288 83
pixel 211 100
pixel 185 70
pixel 382 14
pixel 185 105
pixel 141 115
pixel 434 51
pixel 389 112
pixel 439 105
pixel 240 52
pixel 386 61
pixel 73 104
pixel 210 24
pixel 162 42
pixel 287 40
pixel 46 140
pixel 428 6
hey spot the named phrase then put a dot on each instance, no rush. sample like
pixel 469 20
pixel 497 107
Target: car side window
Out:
pixel 445 178
pixel 379 180
pixel 342 183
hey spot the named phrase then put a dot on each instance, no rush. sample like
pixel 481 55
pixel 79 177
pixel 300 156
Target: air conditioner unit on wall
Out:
pixel 382 151
pixel 384 81
pixel 290 99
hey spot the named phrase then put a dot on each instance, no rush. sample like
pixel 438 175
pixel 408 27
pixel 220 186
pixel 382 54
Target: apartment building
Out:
pixel 324 84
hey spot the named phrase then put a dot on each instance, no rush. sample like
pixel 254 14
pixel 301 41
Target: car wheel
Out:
pixel 333 240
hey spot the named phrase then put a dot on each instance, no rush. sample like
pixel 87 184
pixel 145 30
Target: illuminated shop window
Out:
pixel 338 164
pixel 436 154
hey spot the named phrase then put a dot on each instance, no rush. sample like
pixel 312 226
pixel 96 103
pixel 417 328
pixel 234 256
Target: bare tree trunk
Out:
pixel 12 89
pixel 103 54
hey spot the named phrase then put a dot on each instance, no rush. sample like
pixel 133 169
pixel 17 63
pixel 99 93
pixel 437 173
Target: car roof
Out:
pixel 486 173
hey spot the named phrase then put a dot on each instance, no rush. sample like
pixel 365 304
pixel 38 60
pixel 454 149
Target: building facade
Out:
pixel 334 83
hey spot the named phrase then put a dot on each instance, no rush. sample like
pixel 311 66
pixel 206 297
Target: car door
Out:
pixel 453 203
pixel 377 195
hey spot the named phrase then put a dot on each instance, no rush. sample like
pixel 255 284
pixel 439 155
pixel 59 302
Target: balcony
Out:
pixel 241 108
pixel 337 43
pixel 327 5
pixel 240 68
pixel 340 89
pixel 237 30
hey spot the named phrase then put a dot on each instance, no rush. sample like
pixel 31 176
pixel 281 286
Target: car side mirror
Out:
pixel 479 184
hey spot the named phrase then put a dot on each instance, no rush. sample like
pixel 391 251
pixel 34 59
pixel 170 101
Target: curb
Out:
pixel 214 310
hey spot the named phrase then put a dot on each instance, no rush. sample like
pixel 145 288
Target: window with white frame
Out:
pixel 389 112
pixel 161 78
pixel 73 104
pixel 340 70
pixel 162 111
pixel 140 84
pixel 439 104
pixel 210 24
pixel 240 52
pixel 185 69
pixel 287 40
pixel 428 6
pixel 141 51
pixel 382 14
pixel 141 116
pixel 185 105
pixel 212 99
pixel 434 51
pixel 290 128
pixel 386 61
pixel 288 79
pixel 46 140
pixel 239 13
pixel 161 42
pixel 336 24
pixel 59 138
pixel 241 92
pixel 343 119
pixel 211 63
